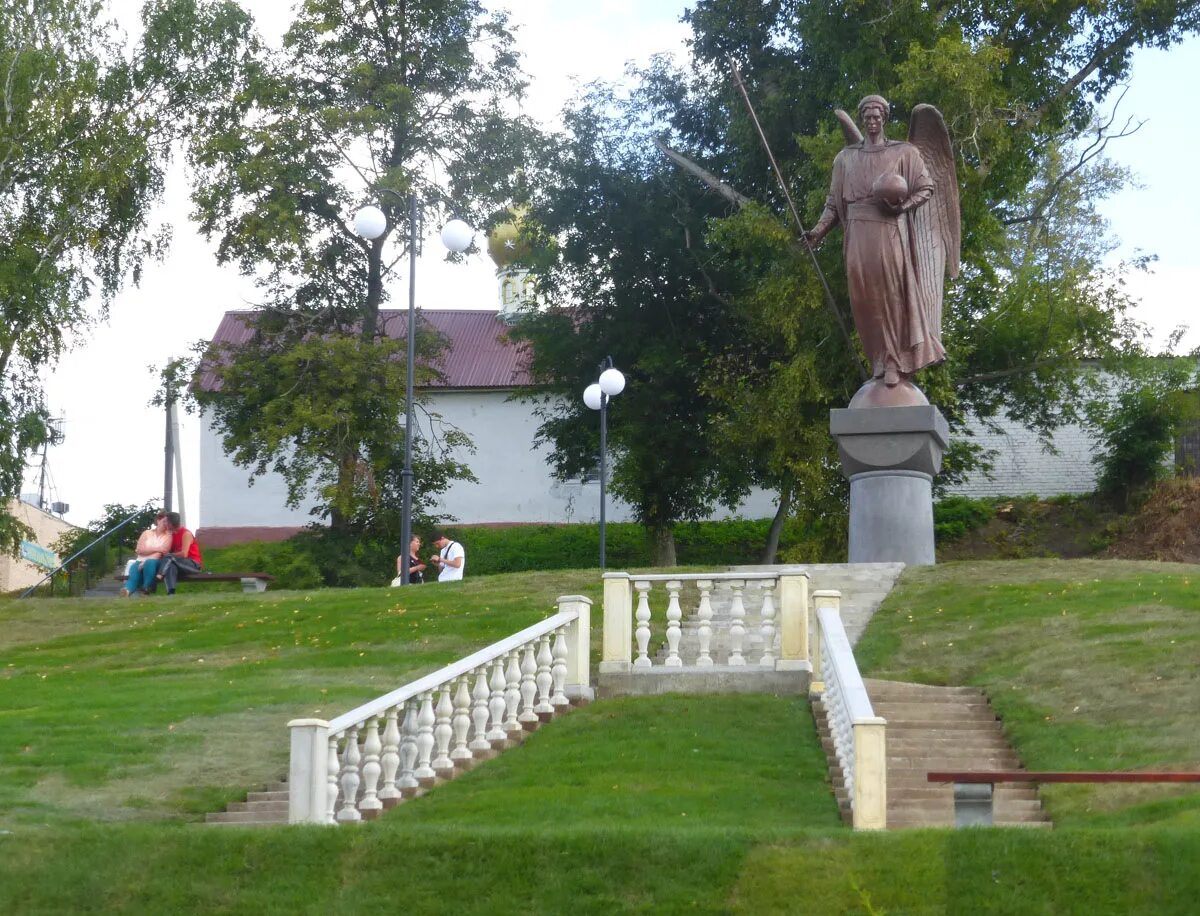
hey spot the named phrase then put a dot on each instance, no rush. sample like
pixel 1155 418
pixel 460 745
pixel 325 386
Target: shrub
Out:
pixel 956 516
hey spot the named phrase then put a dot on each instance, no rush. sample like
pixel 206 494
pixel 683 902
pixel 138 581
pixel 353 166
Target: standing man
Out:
pixel 184 555
pixel 450 559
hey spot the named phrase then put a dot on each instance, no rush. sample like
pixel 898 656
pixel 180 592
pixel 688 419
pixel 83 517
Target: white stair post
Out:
pixel 544 678
pixel 822 598
pixel 793 619
pixel 333 769
pixel 496 734
pixel 424 773
pixel 642 632
pixel 389 759
pixel 704 632
pixel 407 783
pixel 443 731
pixel 372 748
pixel 674 614
pixel 767 627
pixel 618 622
pixel 462 720
pixel 350 779
pixel 579 646
pixel 479 711
pixel 870 780
pixel 737 628
pixel 558 670
pixel 512 693
pixel 528 717
pixel 307 779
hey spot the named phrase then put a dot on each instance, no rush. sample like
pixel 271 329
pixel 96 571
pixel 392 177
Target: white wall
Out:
pixel 1022 466
pixel 515 482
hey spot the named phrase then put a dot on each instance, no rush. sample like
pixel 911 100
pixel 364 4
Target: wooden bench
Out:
pixel 251 581
pixel 973 790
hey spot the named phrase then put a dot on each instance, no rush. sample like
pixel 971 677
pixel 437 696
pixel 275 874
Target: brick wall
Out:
pixel 1021 466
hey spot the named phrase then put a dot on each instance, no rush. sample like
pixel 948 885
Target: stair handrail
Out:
pixel 69 560
pixel 858 734
pixel 393 737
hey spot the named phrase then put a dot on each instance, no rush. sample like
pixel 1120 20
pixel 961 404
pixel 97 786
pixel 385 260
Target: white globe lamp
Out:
pixel 612 382
pixel 457 235
pixel 592 396
pixel 370 223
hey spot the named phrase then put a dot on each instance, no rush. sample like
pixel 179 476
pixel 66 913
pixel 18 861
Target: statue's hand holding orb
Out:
pixel 891 190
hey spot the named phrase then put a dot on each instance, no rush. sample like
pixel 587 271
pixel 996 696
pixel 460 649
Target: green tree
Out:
pixel 86 128
pixel 1021 89
pixel 1138 416
pixel 364 103
pixel 626 279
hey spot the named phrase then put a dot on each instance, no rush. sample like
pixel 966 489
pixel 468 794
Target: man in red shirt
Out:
pixel 184 556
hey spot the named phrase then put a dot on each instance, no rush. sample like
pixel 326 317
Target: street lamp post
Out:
pixel 370 222
pixel 596 396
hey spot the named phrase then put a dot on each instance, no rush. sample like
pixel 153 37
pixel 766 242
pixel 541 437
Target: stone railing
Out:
pixel 857 733
pixel 400 744
pixel 774 638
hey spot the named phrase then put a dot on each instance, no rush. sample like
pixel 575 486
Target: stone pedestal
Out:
pixel 890 456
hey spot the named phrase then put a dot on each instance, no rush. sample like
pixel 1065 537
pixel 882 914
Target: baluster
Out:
pixel 496 705
pixel 370 768
pixel 544 678
pixel 768 623
pixel 737 629
pixel 350 778
pixel 558 670
pixel 333 769
pixel 673 632
pixel 642 633
pixel 390 758
pixel 408 748
pixel 528 717
pixel 442 732
pixel 479 711
pixel 704 633
pixel 462 720
pixel 424 773
pixel 512 694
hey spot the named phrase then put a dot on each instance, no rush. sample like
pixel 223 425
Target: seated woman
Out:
pixel 152 544
pixel 183 556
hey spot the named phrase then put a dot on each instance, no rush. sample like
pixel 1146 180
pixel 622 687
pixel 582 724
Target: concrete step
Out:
pixel 262 807
pixel 246 817
pixel 269 795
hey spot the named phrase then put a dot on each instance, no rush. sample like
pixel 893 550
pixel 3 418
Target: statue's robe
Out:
pixel 899 326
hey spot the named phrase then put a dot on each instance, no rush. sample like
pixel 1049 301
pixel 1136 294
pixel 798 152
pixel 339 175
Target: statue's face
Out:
pixel 872 120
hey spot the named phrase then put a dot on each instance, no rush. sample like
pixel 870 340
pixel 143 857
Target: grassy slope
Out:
pixel 718 804
pixel 1092 665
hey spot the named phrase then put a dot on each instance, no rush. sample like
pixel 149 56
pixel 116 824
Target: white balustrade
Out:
pixel 694 634
pixel 857 733
pixel 391 747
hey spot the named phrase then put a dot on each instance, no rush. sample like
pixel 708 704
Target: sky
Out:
pixel 112 450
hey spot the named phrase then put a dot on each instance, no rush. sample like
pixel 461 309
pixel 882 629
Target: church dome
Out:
pixel 505 244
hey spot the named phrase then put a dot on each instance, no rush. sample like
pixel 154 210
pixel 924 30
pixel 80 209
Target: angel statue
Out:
pixel 897 204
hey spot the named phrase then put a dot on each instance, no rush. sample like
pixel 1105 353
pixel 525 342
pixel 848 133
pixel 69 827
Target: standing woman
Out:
pixel 416 569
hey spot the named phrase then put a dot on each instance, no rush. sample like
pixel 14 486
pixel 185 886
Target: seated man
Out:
pixel 184 555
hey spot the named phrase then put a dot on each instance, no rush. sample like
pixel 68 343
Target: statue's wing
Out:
pixel 849 128
pixel 940 219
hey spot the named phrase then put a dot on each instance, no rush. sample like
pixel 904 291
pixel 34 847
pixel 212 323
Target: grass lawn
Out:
pixel 121 722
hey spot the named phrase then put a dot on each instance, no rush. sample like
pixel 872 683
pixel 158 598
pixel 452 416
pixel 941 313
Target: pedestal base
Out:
pixel 891 518
pixel 890 456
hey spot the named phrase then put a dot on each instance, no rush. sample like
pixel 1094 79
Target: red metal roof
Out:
pixel 479 353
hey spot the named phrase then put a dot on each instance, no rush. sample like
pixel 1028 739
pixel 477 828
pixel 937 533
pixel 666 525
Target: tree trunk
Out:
pixel 776 529
pixel 664 544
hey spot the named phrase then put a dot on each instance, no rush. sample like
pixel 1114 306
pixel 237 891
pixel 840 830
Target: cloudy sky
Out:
pixel 113 448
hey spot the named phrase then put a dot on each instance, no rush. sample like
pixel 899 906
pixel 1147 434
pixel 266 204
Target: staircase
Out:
pixel 270 805
pixel 945 728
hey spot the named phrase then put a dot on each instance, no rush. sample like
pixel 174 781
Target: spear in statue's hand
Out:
pixel 837 313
